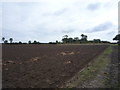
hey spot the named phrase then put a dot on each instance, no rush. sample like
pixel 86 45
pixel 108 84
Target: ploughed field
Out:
pixel 42 66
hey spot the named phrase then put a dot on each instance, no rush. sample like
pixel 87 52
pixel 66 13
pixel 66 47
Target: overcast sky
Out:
pixel 49 20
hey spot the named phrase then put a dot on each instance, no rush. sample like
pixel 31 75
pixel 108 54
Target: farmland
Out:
pixel 43 66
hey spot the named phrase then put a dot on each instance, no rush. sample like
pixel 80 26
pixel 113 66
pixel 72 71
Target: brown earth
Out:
pixel 44 66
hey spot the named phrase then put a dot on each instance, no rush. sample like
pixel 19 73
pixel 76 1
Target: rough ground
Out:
pixel 44 66
pixel 108 76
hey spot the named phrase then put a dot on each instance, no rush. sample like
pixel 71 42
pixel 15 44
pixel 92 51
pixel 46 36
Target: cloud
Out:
pixel 52 19
pixel 102 27
pixel 56 13
pixel 94 6
pixel 67 31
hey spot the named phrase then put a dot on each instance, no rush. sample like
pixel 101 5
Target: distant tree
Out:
pixel 105 41
pixel 91 41
pixel 65 39
pixel 117 37
pixel 24 43
pixel 65 36
pixel 70 40
pixel 56 41
pixel 3 39
pixel 11 39
pixel 35 42
pixel 82 35
pixel 20 42
pixel 52 43
pixel 76 38
pixel 96 40
pixel 84 38
pixel 29 42
pixel 6 41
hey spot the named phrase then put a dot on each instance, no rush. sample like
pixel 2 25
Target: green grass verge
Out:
pixel 114 44
pixel 89 72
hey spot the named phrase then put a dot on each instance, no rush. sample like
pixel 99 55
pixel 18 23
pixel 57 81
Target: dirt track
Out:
pixel 113 71
pixel 43 66
pixel 107 77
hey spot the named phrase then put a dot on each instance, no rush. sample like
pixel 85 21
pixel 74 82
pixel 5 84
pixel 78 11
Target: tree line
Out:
pixel 6 41
pixel 83 39
pixel 117 38
pixel 65 40
pixel 10 41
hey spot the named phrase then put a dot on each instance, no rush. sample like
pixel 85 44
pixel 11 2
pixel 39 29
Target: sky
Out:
pixel 50 20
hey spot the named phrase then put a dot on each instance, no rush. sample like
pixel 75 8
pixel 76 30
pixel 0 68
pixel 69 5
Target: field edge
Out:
pixel 90 70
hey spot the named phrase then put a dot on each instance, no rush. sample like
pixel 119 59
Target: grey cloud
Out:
pixel 93 7
pixel 111 33
pixel 60 12
pixel 68 31
pixel 102 27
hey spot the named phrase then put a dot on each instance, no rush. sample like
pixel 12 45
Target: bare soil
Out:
pixel 44 66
